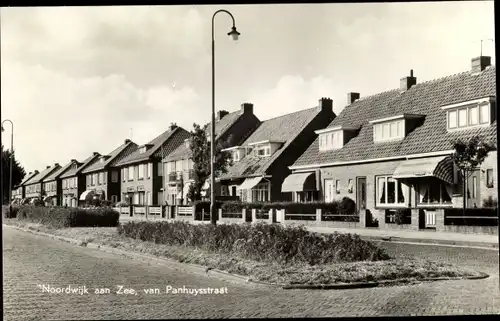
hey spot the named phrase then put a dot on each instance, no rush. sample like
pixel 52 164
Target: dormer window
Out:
pixel 264 148
pixel 469 114
pixel 394 128
pixel 335 137
pixel 102 160
pixel 236 156
pixel 143 149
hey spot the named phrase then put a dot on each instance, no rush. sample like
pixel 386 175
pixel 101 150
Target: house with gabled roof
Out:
pixel 19 193
pixel 230 129
pixel 73 182
pixel 142 172
pixel 53 185
pixel 393 150
pixel 102 178
pixel 260 163
pixel 34 187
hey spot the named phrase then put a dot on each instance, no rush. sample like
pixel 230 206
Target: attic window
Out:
pixel 393 130
pixel 142 150
pixel 330 141
pixel 470 114
pixel 102 160
pixel 263 151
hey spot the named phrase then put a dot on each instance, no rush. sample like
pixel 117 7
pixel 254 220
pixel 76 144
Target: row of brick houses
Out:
pixel 385 151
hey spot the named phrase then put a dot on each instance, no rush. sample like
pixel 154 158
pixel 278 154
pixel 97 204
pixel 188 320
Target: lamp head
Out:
pixel 234 33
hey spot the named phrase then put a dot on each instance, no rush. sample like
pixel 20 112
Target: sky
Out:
pixel 77 80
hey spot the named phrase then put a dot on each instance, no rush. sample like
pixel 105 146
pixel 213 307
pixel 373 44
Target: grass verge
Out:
pixel 413 270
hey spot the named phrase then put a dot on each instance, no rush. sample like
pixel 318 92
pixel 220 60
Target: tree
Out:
pixel 469 154
pixel 18 173
pixel 200 155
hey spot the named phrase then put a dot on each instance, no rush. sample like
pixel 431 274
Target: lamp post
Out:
pixel 234 34
pixel 11 157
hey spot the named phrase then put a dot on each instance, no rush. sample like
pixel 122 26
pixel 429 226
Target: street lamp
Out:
pixel 11 157
pixel 234 34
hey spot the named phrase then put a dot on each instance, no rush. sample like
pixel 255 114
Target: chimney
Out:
pixel 127 141
pixel 221 114
pixel 326 104
pixel 30 173
pixel 173 126
pixel 48 166
pixel 407 82
pixel 352 97
pixel 73 160
pixel 95 153
pixel 480 63
pixel 56 164
pixel 247 108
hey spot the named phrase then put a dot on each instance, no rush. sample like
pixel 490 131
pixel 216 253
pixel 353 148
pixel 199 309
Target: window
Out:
pixel 140 174
pixel 123 174
pixel 160 169
pixel 484 113
pixel 150 170
pixel 114 177
pixel 337 186
pixel 489 178
pixel 99 178
pixel 350 186
pixel 390 191
pixel 131 173
pixel 388 131
pixel 142 150
pixel 260 193
pixel 434 192
pixel 75 180
pixel 236 156
pixel 104 177
pixel 178 166
pixel 462 117
pixel 114 198
pixel 452 119
pixel 91 179
pixel 263 151
pixel 96 176
pixel 473 115
pixel 332 140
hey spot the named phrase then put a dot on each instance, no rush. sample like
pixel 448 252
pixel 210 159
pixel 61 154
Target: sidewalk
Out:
pixel 417 236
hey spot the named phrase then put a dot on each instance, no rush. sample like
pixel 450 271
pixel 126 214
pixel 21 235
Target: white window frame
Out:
pixel 455 116
pixel 261 192
pixel 490 174
pixel 337 186
pixel 150 170
pixel 389 131
pixel 386 179
pixel 114 177
pixel 130 170
pixel 140 171
pixel 428 204
pixel 480 121
pixel 99 178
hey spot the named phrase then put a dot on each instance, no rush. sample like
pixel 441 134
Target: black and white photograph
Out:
pixel 236 161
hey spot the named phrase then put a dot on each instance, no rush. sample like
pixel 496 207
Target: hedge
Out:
pixel 481 216
pixel 260 242
pixel 7 213
pixel 61 217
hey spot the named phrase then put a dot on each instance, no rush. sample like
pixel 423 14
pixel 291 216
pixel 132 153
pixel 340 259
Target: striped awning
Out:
pixel 299 182
pixel 438 167
pixel 87 195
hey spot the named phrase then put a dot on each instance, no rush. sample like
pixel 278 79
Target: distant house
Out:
pixel 35 188
pixel 19 193
pixel 261 161
pixel 53 185
pixel 230 129
pixel 73 182
pixel 392 150
pixel 102 178
pixel 141 171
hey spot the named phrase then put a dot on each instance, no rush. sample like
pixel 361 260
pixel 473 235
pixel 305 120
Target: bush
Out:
pixel 347 206
pixel 490 202
pixel 38 202
pixel 260 242
pixel 61 217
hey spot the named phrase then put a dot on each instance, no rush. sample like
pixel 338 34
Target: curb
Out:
pixel 235 278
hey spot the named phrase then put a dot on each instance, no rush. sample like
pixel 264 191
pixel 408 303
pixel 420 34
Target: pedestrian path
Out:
pixel 432 236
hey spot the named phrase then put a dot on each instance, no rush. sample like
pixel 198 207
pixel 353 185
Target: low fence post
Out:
pixel 202 214
pixel 254 215
pixel 318 214
pixel 272 214
pixel 219 214
pixel 244 215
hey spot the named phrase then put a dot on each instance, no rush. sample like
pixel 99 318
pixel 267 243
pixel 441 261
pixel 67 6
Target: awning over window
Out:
pixel 249 183
pixel 87 195
pixel 439 167
pixel 299 182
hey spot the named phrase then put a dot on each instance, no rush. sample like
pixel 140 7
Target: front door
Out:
pixel 361 194
pixel 328 190
pixel 473 184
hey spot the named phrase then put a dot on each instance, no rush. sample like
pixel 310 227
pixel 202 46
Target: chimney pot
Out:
pixel 30 173
pixel 326 103
pixel 73 160
pixel 96 153
pixel 127 141
pixel 407 82
pixel 247 108
pixel 352 97
pixel 480 63
pixel 221 114
pixel 48 166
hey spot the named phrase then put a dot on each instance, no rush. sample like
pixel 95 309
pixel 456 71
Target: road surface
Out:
pixel 31 261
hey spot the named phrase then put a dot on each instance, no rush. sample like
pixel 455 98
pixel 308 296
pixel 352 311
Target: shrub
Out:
pixel 7 213
pixel 38 202
pixel 347 206
pixel 490 202
pixel 260 242
pixel 61 217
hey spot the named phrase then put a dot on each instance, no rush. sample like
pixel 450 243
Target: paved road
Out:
pixel 30 260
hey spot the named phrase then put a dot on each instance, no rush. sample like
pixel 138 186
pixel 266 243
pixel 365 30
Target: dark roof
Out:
pixel 426 99
pixel 221 127
pixel 28 178
pixel 283 129
pixel 114 157
pixel 75 171
pixel 170 140
pixel 43 174
pixel 55 175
